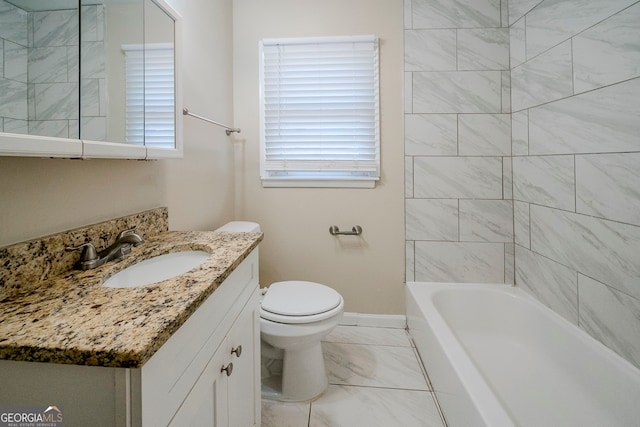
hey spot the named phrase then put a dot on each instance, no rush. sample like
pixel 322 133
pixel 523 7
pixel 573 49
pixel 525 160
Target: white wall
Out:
pixel 200 188
pixel 44 196
pixel 367 271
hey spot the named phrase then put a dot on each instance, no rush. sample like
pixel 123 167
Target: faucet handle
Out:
pixel 89 252
pixel 127 232
pixel 129 236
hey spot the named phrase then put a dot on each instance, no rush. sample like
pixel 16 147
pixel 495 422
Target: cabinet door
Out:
pixel 170 375
pixel 206 404
pixel 244 384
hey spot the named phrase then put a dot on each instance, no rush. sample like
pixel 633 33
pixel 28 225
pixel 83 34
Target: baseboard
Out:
pixel 396 321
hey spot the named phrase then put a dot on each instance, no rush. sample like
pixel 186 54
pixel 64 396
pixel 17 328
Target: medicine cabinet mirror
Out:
pixel 89 78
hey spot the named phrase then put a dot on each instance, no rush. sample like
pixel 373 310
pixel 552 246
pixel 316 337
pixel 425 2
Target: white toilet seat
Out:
pixel 290 320
pixel 298 302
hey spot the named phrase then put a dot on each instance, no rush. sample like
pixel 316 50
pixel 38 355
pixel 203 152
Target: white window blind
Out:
pixel 320 110
pixel 150 95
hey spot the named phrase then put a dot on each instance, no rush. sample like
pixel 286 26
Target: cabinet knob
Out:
pixel 228 369
pixel 237 351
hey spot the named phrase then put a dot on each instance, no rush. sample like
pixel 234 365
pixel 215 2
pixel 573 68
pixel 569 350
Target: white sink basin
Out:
pixel 157 269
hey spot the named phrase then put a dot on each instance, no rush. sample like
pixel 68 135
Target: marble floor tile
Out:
pixel 373 366
pixel 280 414
pixel 365 406
pixel 369 335
pixel 376 379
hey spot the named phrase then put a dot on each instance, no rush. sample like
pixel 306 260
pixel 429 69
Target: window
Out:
pixel 320 117
pixel 150 94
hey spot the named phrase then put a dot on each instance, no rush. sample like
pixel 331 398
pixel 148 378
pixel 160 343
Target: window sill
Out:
pixel 318 183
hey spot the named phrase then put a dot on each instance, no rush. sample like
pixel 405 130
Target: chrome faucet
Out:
pixel 90 258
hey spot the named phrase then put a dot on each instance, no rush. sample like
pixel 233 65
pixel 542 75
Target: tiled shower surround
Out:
pixel 554 168
pixel 459 207
pixel 39 72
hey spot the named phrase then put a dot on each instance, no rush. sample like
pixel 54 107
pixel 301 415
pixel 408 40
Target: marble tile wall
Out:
pixel 529 169
pixel 39 91
pixel 13 70
pixel 575 76
pixel 459 207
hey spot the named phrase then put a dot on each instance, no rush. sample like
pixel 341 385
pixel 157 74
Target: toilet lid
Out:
pixel 299 298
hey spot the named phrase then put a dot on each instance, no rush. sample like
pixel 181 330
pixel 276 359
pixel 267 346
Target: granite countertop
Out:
pixel 73 319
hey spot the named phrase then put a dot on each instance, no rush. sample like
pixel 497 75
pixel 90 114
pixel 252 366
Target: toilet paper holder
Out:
pixel 356 230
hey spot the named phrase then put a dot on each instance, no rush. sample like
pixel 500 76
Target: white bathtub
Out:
pixel 496 357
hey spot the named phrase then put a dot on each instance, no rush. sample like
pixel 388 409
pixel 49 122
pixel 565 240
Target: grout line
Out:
pixel 426 376
pixel 367 344
pixel 442 417
pixel 377 387
pixel 422 368
pixel 579 273
pixel 600 218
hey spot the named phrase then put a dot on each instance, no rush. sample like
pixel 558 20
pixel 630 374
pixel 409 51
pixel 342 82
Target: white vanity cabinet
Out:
pixel 182 384
pixel 208 372
pixel 224 394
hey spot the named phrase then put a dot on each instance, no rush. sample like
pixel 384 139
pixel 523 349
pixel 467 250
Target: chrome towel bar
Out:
pixel 356 230
pixel 228 129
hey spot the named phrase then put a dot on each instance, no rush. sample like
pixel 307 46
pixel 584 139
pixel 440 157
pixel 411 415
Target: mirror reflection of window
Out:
pixel 159 96
pixel 150 95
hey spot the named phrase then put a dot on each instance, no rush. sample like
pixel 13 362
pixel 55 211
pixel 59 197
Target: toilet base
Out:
pixel 303 376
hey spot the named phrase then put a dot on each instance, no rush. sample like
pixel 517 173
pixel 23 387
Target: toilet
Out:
pixel 294 317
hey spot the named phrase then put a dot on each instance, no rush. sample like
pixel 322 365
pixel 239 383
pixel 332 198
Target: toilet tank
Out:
pixel 241 226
